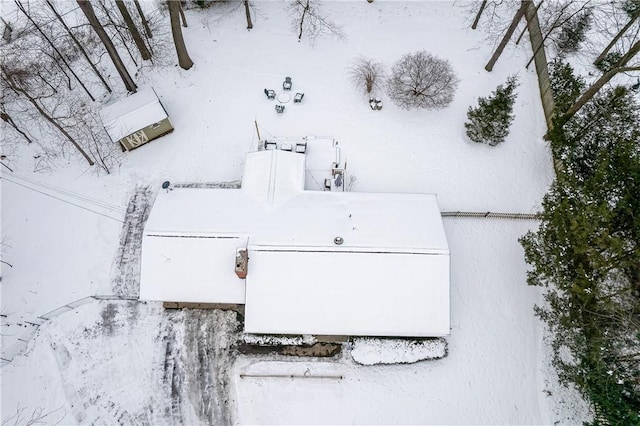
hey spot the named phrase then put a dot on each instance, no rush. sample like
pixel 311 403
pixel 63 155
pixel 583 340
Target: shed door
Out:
pixel 136 139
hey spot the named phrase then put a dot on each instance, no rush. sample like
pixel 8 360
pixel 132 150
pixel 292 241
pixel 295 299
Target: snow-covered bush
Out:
pixel 366 74
pixel 421 80
pixel 489 122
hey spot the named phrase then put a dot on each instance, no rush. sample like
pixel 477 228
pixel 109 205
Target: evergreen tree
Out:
pixel 565 86
pixel 574 32
pixel 586 252
pixel 489 122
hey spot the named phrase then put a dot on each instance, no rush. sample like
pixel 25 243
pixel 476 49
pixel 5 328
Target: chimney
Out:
pixel 242 260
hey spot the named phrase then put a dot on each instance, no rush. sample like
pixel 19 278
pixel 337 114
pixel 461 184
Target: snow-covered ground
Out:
pixel 110 360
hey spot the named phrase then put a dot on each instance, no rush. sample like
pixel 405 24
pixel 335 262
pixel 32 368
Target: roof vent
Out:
pixel 338 241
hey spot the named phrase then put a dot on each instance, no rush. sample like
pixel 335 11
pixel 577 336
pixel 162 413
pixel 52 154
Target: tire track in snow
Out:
pixel 173 375
pixel 208 336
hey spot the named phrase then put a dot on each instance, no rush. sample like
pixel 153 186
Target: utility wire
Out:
pixel 64 201
pixel 115 208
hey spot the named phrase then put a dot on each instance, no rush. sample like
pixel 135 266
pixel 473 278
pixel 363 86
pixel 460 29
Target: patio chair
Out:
pixel 279 109
pixel 298 97
pixel 286 85
pixel 271 94
pixel 301 147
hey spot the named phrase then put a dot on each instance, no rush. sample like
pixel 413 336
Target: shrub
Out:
pixel 366 74
pixel 489 122
pixel 421 80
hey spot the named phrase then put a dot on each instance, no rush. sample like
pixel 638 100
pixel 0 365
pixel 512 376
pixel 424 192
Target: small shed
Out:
pixel 136 120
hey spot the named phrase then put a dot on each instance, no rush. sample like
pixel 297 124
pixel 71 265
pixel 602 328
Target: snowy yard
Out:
pixel 111 361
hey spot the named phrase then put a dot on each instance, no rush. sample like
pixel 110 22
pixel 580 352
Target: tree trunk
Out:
pixel 507 36
pixel 87 9
pixel 248 13
pixel 304 13
pixel 145 23
pixel 526 26
pixel 182 17
pixel 22 9
pixel 556 24
pixel 82 50
pixel 595 87
pixel 624 29
pixel 184 60
pixel 475 21
pixel 7 119
pixel 116 27
pixel 16 87
pixel 137 38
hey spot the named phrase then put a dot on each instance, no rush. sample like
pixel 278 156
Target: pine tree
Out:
pixel 566 87
pixel 489 122
pixel 574 32
pixel 586 252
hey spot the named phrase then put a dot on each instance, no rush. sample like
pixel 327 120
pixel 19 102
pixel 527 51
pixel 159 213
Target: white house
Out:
pixel 319 262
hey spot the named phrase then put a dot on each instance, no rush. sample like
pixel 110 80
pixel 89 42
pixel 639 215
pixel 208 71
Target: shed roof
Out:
pixel 132 113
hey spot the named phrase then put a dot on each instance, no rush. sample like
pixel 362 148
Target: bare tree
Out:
pixel 14 82
pixel 479 14
pixel 632 20
pixel 6 32
pixel 308 19
pixel 247 12
pixel 421 80
pixel 183 18
pixel 184 60
pixel 79 45
pixel 621 66
pixel 558 19
pixel 366 74
pixel 514 24
pixel 37 417
pixel 143 18
pixel 133 30
pixel 87 9
pixel 7 119
pixel 116 27
pixel 53 46
pixel 35 97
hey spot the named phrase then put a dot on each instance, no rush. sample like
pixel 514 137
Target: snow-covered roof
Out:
pixel 393 254
pixel 191 268
pixel 273 176
pixel 373 293
pixel 132 113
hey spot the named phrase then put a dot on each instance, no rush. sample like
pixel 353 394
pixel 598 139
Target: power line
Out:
pixel 60 199
pixel 115 208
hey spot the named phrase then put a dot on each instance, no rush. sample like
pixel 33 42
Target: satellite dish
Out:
pixel 165 184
